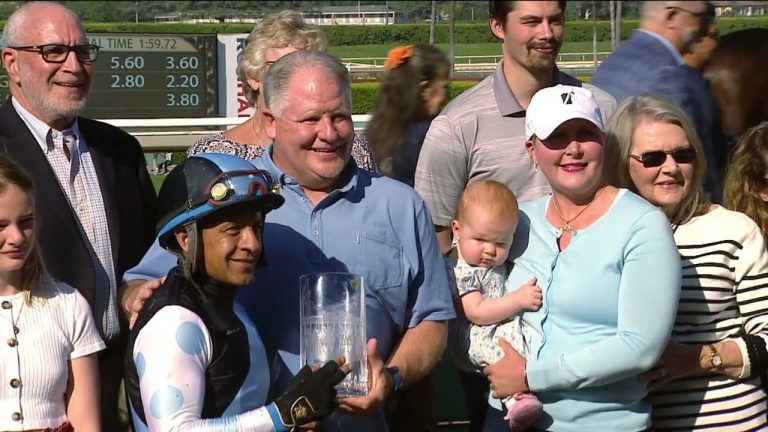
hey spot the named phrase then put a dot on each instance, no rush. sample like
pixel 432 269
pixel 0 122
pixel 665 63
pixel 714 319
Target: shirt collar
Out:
pixel 667 44
pixel 40 129
pixel 506 100
pixel 281 179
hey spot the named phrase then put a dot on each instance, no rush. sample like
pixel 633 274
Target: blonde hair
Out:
pixel 618 143
pixel 745 176
pixel 283 29
pixel 490 196
pixel 34 276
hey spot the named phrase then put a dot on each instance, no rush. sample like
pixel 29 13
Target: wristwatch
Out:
pixel 714 356
pixel 396 378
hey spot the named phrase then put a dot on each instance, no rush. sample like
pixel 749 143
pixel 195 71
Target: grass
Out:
pixel 483 49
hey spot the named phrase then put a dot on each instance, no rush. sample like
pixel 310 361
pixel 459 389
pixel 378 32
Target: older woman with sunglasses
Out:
pixel 606 263
pixel 710 373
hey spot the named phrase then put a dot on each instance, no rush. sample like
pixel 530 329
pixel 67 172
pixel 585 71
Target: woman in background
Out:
pixel 273 37
pixel 710 373
pixel 50 373
pixel 415 84
pixel 746 177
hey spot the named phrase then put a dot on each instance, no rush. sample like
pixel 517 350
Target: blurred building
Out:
pixel 357 15
pixel 740 8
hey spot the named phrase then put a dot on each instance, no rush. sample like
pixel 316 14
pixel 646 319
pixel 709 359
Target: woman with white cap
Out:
pixel 609 271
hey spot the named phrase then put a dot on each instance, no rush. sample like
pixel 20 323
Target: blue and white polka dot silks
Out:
pixel 171 354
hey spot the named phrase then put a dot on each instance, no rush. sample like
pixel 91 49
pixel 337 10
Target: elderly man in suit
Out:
pixel 95 201
pixel 651 61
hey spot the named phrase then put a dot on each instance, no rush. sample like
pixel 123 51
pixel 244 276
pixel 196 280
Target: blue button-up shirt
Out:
pixel 373 226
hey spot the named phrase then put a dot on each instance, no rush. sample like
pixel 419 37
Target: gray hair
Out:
pixel 279 76
pixel 16 26
pixel 283 29
pixel 618 143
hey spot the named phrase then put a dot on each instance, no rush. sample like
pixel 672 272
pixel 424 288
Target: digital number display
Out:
pixel 150 76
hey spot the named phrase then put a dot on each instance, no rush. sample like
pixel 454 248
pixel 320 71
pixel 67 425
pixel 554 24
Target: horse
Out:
pixel 737 75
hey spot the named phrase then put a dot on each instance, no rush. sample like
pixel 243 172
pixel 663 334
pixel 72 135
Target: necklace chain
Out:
pixel 15 319
pixel 566 225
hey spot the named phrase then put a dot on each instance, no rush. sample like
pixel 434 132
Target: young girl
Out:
pixel 50 371
pixel 483 232
pixel 414 85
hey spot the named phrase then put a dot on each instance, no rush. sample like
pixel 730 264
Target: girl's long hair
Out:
pixel 400 102
pixel 745 176
pixel 34 277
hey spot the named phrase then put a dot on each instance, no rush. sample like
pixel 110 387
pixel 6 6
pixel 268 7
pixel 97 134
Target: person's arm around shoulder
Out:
pixel 140 282
pixel 442 173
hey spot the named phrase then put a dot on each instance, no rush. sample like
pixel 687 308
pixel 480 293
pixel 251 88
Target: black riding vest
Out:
pixel 231 355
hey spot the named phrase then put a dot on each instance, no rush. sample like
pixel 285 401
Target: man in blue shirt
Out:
pixel 336 217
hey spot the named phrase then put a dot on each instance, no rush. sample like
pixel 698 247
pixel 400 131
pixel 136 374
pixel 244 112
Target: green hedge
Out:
pixel 364 95
pixel 344 35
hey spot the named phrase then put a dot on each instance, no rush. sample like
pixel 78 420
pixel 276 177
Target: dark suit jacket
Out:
pixel 642 64
pixel 129 198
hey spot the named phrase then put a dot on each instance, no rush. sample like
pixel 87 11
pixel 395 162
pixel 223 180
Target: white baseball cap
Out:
pixel 552 106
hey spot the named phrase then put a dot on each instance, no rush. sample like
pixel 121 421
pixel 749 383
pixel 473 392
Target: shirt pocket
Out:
pixel 380 261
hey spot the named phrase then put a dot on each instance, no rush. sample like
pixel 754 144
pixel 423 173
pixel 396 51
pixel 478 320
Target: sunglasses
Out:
pixel 657 158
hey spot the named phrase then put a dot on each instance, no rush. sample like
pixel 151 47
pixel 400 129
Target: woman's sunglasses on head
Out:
pixel 657 158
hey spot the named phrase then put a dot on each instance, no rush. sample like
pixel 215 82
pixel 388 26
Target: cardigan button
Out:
pixel 7 304
pixel 12 342
pixel 16 416
pixel 15 383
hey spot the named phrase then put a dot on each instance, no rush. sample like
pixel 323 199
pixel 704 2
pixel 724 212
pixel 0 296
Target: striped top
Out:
pixel 724 290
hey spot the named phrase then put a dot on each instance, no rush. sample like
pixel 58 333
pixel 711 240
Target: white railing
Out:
pixel 177 134
pixel 562 58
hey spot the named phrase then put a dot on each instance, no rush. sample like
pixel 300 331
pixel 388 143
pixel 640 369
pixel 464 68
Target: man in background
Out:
pixel 651 61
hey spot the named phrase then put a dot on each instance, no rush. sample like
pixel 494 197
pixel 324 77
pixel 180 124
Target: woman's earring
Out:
pixel 535 168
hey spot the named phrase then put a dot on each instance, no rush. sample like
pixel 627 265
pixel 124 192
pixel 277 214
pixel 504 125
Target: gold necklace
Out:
pixel 566 225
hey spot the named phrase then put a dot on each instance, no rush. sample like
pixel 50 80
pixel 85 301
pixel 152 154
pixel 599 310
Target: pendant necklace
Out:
pixel 566 225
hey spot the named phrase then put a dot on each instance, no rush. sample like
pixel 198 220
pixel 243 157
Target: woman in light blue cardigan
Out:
pixel 609 270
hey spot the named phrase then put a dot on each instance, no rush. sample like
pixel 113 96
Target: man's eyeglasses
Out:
pixel 657 158
pixel 58 53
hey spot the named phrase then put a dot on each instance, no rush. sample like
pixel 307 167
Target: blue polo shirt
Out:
pixel 373 226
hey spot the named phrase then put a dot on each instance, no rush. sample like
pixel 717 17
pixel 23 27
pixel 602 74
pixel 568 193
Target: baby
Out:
pixel 483 231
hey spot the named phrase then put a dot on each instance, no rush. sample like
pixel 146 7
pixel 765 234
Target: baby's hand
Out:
pixel 529 296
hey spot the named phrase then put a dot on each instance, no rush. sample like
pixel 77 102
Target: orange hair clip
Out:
pixel 397 56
